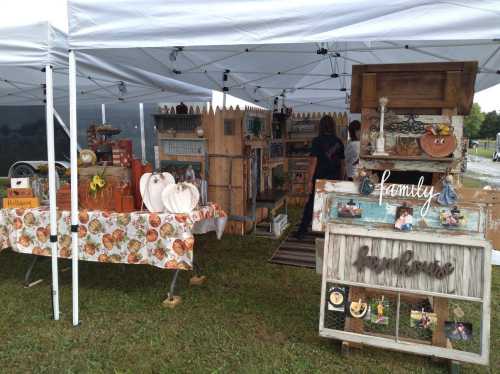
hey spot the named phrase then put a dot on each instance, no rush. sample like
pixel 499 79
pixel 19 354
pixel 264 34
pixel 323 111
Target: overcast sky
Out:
pixel 28 11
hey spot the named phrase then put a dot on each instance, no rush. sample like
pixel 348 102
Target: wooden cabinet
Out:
pixel 419 95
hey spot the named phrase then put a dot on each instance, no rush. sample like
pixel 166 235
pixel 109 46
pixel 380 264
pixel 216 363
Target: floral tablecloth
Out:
pixel 161 240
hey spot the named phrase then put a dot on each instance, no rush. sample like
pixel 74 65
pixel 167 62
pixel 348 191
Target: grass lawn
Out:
pixel 251 316
pixel 482 152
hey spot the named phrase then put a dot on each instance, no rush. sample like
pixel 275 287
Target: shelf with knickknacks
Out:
pixel 108 170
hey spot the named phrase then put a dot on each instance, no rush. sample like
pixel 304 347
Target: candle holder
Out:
pixel 380 145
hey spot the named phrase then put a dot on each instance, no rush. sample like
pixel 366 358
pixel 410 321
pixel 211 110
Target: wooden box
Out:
pixel 63 197
pixel 115 178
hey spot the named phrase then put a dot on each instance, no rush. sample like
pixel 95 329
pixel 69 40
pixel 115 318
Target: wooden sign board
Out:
pixel 427 264
pixel 432 265
pixel 20 202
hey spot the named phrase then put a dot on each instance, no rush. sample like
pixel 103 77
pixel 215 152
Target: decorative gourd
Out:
pixel 180 198
pixel 151 186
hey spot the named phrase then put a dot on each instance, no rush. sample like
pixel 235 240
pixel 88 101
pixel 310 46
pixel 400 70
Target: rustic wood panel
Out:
pixel 465 255
pixel 418 86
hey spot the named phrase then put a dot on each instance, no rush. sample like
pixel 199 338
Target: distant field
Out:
pixel 482 152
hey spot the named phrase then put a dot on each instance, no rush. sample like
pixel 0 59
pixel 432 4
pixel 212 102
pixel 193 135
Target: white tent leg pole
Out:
pixel 74 184
pixel 103 113
pixel 143 135
pixel 63 126
pixel 49 119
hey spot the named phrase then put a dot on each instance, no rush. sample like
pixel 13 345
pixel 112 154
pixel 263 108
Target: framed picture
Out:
pixel 404 218
pixel 349 209
pixel 458 331
pixel 420 319
pixel 452 217
pixel 379 311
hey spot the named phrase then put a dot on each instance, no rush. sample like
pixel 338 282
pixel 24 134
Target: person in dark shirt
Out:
pixel 326 162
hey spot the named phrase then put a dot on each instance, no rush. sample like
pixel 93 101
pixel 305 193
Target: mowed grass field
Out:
pixel 250 317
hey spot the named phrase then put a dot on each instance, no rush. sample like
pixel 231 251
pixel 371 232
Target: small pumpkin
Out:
pixel 180 198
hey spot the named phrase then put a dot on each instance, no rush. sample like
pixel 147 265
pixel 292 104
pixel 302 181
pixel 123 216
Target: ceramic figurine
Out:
pixel 448 196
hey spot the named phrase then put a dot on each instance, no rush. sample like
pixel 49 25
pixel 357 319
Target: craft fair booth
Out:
pixel 234 152
pixel 406 259
pixel 33 222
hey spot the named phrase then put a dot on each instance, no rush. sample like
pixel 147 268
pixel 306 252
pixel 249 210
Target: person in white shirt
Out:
pixel 351 150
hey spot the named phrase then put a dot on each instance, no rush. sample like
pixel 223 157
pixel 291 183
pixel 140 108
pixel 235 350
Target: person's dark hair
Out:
pixel 353 127
pixel 327 126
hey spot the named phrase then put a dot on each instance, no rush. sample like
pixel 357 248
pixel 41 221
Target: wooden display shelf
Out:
pixel 304 139
pixel 409 158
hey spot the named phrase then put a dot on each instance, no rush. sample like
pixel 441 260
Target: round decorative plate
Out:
pixel 151 186
pixel 180 198
pixel 437 145
pixel 358 309
pixel 88 157
pixel 336 297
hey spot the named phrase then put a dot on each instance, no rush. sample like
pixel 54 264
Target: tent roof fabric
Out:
pixel 26 50
pixel 311 76
pixel 153 23
pixel 300 50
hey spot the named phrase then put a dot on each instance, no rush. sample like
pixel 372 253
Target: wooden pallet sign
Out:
pixel 434 266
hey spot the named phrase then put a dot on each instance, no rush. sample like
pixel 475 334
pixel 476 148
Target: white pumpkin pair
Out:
pixel 160 193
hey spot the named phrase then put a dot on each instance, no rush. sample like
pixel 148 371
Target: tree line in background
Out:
pixel 479 125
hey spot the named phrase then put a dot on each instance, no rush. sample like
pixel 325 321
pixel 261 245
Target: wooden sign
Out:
pixel 19 192
pixel 20 202
pixel 407 265
pixel 431 264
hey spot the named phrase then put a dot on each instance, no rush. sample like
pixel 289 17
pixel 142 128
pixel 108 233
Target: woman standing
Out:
pixel 352 150
pixel 326 162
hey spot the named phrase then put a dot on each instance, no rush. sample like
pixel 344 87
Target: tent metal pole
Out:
pixel 143 135
pixel 74 184
pixel 103 113
pixel 63 126
pixel 51 160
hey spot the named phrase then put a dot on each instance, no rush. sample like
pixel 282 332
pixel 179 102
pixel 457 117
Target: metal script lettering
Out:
pixel 402 265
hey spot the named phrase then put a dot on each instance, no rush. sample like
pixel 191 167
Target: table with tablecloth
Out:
pixel 162 240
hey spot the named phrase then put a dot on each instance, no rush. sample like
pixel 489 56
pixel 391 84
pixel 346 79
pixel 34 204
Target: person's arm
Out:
pixel 343 175
pixel 313 161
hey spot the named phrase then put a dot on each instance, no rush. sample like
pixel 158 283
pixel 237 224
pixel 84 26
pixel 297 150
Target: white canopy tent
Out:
pixel 300 50
pixel 304 50
pixel 34 71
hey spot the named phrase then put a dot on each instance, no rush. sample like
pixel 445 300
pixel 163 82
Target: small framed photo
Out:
pixel 404 218
pixel 452 218
pixel 337 299
pixel 379 311
pixel 458 331
pixel 349 209
pixel 420 319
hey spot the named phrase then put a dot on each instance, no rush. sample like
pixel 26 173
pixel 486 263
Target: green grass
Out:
pixel 482 152
pixel 251 317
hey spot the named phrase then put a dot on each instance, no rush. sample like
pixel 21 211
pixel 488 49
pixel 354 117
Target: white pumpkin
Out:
pixel 180 198
pixel 151 187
